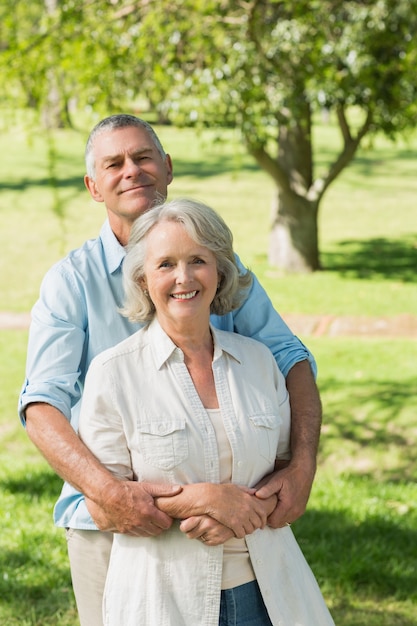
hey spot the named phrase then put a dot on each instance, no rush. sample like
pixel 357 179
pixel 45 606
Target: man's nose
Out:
pixel 131 168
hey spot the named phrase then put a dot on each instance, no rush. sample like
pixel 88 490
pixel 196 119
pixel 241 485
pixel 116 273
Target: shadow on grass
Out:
pixel 374 417
pixel 379 258
pixel 33 583
pixel 43 484
pixel 371 561
pixel 75 182
pixel 213 166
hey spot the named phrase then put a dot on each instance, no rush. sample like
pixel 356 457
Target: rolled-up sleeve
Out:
pixel 55 347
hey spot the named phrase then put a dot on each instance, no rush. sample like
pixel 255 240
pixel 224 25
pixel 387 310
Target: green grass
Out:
pixel 35 584
pixel 360 527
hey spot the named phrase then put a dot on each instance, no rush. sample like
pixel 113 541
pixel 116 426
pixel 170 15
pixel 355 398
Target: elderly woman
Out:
pixel 182 403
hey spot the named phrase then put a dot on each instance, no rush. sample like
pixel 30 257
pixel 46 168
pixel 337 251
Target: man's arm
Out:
pixel 293 484
pixel 116 505
pixel 258 319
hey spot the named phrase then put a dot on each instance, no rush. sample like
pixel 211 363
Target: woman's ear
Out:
pixel 143 285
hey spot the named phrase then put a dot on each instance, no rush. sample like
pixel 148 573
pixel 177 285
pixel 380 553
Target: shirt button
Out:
pixel 259 561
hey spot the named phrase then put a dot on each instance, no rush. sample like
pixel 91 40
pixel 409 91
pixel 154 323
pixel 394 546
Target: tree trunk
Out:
pixel 54 111
pixel 294 246
pixel 294 234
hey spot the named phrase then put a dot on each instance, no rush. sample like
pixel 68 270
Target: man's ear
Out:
pixel 92 188
pixel 170 171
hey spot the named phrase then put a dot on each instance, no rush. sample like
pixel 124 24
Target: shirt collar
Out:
pixel 114 252
pixel 164 348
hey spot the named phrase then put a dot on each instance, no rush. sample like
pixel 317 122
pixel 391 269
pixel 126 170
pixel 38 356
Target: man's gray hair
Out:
pixel 113 122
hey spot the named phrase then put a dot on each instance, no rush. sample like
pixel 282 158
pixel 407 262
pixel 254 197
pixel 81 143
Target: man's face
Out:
pixel 130 173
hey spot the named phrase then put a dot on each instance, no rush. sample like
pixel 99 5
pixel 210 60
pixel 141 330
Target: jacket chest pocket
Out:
pixel 266 429
pixel 163 442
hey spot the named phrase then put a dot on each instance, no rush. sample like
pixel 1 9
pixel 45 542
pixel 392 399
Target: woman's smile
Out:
pixel 184 296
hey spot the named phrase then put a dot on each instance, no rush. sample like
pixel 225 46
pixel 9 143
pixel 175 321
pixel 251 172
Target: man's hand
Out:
pixel 128 507
pixel 292 486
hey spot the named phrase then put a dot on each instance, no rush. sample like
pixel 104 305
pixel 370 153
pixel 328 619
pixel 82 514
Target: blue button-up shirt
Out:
pixel 76 318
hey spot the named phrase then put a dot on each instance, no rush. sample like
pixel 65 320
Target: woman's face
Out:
pixel 180 275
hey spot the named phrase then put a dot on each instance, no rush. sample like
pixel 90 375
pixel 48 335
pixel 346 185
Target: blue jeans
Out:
pixel 243 606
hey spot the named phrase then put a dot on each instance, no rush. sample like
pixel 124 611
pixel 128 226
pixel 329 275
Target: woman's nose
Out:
pixel 183 273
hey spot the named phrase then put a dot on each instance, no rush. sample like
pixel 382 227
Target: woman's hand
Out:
pixel 239 509
pixel 206 529
pixel 233 506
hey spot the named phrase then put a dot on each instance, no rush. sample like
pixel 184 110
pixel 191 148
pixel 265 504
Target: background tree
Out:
pixel 60 58
pixel 266 67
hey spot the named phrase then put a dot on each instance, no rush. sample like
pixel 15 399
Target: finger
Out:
pixel 195 533
pixel 266 491
pixel 245 489
pixel 159 490
pixel 189 524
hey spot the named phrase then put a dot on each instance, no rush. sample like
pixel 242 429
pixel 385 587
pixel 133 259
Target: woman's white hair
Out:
pixel 206 228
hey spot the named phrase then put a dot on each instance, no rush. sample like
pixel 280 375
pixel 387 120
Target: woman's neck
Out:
pixel 192 337
pixel 197 346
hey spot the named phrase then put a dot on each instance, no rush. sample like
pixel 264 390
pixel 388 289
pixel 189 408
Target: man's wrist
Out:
pixel 303 462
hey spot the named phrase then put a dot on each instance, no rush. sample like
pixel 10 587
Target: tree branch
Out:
pixel 350 146
pixel 271 166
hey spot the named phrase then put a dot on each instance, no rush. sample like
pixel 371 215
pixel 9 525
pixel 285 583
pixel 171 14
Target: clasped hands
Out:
pixel 218 512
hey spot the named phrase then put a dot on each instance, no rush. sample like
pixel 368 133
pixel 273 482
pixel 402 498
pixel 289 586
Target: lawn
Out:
pixel 359 532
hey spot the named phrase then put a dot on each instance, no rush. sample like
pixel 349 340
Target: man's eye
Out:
pixel 165 264
pixel 199 261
